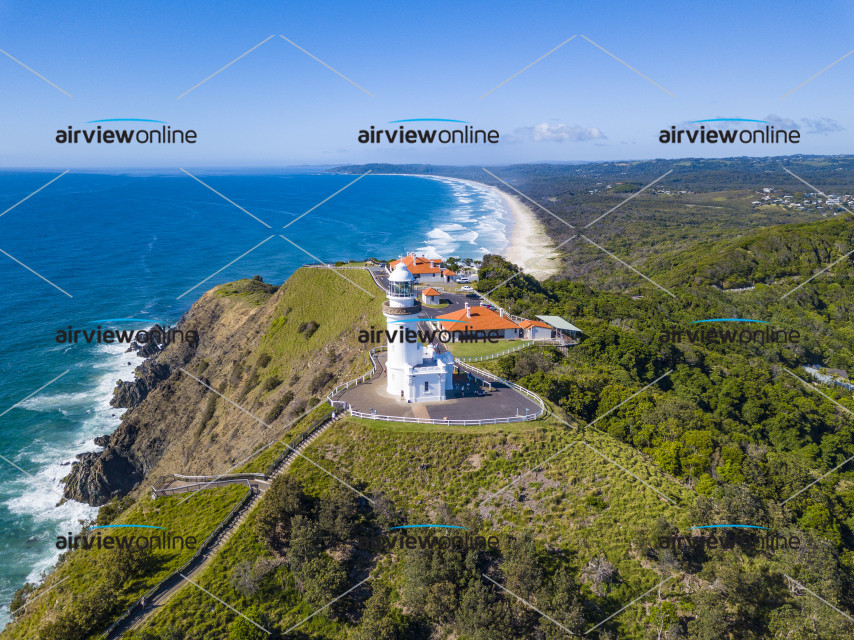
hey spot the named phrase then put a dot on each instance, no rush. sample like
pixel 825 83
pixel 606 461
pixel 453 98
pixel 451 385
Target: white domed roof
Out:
pixel 401 274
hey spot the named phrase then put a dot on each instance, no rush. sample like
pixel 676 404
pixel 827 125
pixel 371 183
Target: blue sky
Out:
pixel 277 106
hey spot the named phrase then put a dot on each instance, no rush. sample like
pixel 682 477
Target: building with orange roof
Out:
pixel 471 321
pixel 424 269
pixel 537 330
pixel 430 296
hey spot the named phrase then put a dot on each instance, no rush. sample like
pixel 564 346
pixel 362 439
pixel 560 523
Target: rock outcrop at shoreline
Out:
pixel 99 476
pixel 129 394
pixel 173 424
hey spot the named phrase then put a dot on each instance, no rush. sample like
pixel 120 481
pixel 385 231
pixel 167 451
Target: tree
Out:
pixel 246 576
pixel 522 573
pixel 20 597
pixel 338 514
pixel 120 566
pixel 304 543
pixel 710 621
pixel 384 512
pixel 379 620
pixel 817 518
pixel 565 606
pixel 522 576
pixel 320 580
pixel 281 503
pixel 662 616
pixel 481 615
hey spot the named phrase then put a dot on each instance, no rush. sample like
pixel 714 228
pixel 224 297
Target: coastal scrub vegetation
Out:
pixel 99 584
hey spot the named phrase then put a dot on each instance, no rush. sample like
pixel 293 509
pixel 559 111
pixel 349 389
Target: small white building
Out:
pixel 415 372
pixel 430 296
pixel 537 330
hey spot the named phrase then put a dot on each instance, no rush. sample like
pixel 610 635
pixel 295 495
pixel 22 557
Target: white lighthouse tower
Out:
pixel 415 372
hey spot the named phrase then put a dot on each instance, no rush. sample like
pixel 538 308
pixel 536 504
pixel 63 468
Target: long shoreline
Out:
pixel 529 246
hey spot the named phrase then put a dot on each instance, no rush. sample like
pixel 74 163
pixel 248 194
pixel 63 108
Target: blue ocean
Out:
pixel 145 246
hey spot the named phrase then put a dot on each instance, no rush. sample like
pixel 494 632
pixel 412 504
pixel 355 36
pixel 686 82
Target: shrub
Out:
pixel 309 329
pixel 271 383
pixel 321 380
pixel 276 410
pixel 251 382
pixel 208 414
pixel 299 408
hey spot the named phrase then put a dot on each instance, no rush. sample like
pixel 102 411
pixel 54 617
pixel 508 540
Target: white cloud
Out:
pixel 548 132
pixel 822 125
pixel 781 123
pixel 809 125
pixel 805 125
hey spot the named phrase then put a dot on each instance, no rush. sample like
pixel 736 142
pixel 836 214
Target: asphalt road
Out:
pixel 457 301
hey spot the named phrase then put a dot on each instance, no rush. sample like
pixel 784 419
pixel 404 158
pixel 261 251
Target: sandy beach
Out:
pixel 529 247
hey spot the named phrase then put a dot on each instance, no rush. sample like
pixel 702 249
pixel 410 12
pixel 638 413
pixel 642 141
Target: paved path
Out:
pixel 175 583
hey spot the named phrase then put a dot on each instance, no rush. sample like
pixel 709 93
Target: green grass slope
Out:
pixel 86 572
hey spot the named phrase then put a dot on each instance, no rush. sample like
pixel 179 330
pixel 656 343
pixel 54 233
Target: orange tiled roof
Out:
pixel 482 319
pixel 414 262
pixel 423 268
pixel 533 323
pixel 430 291
pixel 448 272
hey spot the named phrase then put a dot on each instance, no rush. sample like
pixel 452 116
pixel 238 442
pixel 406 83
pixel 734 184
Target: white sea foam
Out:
pixel 36 497
pixel 477 223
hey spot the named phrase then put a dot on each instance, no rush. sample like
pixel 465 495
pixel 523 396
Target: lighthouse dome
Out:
pixel 401 274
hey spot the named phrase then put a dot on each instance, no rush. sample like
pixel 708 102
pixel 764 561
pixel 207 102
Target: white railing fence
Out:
pixel 519 418
pixel 492 356
pixel 527 343
pixel 372 354
pixel 483 375
pixel 377 280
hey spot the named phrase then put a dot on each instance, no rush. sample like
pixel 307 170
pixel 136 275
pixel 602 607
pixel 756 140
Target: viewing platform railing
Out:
pixel 483 375
pixel 352 383
pixel 525 344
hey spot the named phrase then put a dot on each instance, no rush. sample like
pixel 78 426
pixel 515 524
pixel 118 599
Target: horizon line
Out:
pixel 273 167
pixel 428 120
pixel 125 320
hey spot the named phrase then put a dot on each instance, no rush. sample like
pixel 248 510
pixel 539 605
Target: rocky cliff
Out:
pixel 255 350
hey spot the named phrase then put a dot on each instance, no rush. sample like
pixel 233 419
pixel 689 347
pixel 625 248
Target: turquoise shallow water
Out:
pixel 127 246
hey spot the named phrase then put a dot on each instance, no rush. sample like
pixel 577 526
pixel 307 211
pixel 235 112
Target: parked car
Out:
pixel 463 280
pixel 467 288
